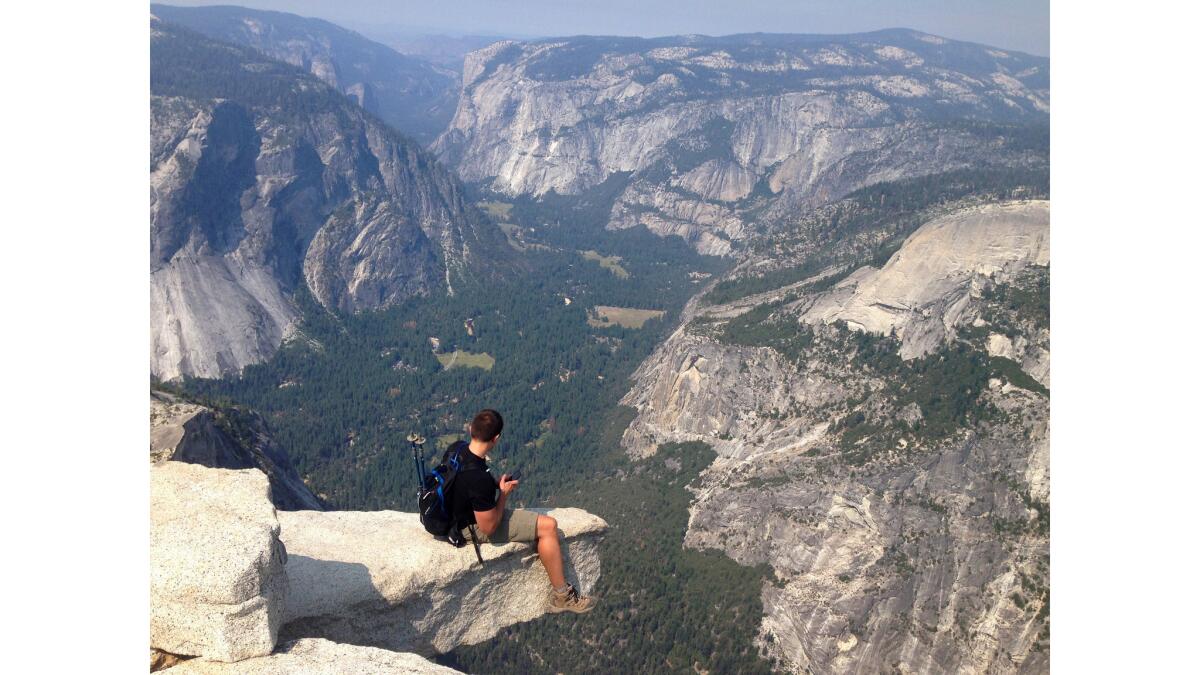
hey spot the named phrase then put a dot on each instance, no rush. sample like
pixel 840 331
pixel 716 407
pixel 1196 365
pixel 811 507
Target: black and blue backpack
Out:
pixel 434 502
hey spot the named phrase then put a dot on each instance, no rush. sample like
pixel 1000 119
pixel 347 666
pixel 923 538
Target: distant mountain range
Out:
pixel 707 136
pixel 446 51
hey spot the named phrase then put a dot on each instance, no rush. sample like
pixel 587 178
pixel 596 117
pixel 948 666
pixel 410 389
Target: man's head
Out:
pixel 486 426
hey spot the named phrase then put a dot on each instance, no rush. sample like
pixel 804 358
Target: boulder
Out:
pixel 378 579
pixel 217 581
pixel 314 656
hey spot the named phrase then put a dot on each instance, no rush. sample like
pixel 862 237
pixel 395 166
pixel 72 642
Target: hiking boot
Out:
pixel 570 601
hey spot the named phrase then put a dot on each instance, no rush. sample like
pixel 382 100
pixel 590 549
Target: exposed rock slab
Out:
pixel 922 290
pixel 217 582
pixel 693 389
pixel 722 181
pixel 210 316
pixel 312 656
pixel 378 579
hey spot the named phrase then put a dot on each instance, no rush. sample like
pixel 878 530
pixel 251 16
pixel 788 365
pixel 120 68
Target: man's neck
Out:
pixel 479 448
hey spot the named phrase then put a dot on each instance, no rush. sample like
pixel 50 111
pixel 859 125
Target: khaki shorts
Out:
pixel 516 525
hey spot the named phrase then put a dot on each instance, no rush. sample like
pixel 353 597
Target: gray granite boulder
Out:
pixel 217 581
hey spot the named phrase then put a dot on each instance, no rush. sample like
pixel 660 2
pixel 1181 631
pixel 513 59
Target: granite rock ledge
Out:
pixel 236 583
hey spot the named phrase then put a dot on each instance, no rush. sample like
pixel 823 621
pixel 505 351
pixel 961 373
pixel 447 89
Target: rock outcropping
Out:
pixel 377 578
pixel 264 182
pixel 230 576
pixel 923 290
pixel 902 504
pixel 217 580
pixel 225 438
pixel 709 135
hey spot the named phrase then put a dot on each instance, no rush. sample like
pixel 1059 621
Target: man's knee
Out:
pixel 547 526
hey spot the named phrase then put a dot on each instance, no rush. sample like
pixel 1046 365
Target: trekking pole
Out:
pixel 417 443
pixel 421 452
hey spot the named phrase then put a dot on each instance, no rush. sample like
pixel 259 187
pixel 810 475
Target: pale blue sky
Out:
pixel 1013 24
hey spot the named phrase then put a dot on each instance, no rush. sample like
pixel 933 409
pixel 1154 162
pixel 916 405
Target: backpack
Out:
pixel 434 502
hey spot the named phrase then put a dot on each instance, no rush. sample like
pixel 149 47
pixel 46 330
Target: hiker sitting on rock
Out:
pixel 475 502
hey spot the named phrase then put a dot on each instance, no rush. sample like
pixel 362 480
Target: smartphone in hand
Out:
pixel 516 475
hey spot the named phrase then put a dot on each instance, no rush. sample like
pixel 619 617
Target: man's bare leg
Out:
pixel 564 598
pixel 550 551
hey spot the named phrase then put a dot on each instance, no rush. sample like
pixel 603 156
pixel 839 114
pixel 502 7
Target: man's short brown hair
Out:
pixel 487 425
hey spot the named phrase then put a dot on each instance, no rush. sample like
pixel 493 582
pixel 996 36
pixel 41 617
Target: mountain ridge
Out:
pixel 892 31
pixel 264 180
pixel 712 136
pixel 405 92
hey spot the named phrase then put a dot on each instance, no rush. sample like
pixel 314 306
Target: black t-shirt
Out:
pixel 474 487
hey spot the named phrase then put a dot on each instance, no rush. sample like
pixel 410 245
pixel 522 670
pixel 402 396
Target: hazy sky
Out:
pixel 1014 24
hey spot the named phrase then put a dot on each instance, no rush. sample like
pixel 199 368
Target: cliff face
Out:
pixel 898 486
pixel 921 292
pixel 409 94
pixel 711 135
pixel 263 181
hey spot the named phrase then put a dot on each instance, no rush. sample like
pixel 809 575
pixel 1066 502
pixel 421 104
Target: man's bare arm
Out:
pixel 488 521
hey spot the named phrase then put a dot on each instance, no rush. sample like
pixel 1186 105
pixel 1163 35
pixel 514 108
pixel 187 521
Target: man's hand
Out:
pixel 507 485
pixel 489 520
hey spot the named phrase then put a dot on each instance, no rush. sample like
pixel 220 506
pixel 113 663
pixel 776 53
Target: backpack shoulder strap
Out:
pixel 454 455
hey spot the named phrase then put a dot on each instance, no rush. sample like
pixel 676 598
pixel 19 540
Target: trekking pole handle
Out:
pixel 417 443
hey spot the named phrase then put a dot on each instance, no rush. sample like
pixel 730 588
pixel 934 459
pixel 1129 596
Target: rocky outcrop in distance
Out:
pixel 265 182
pixel 231 577
pixel 711 135
pixel 225 438
pixel 921 292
